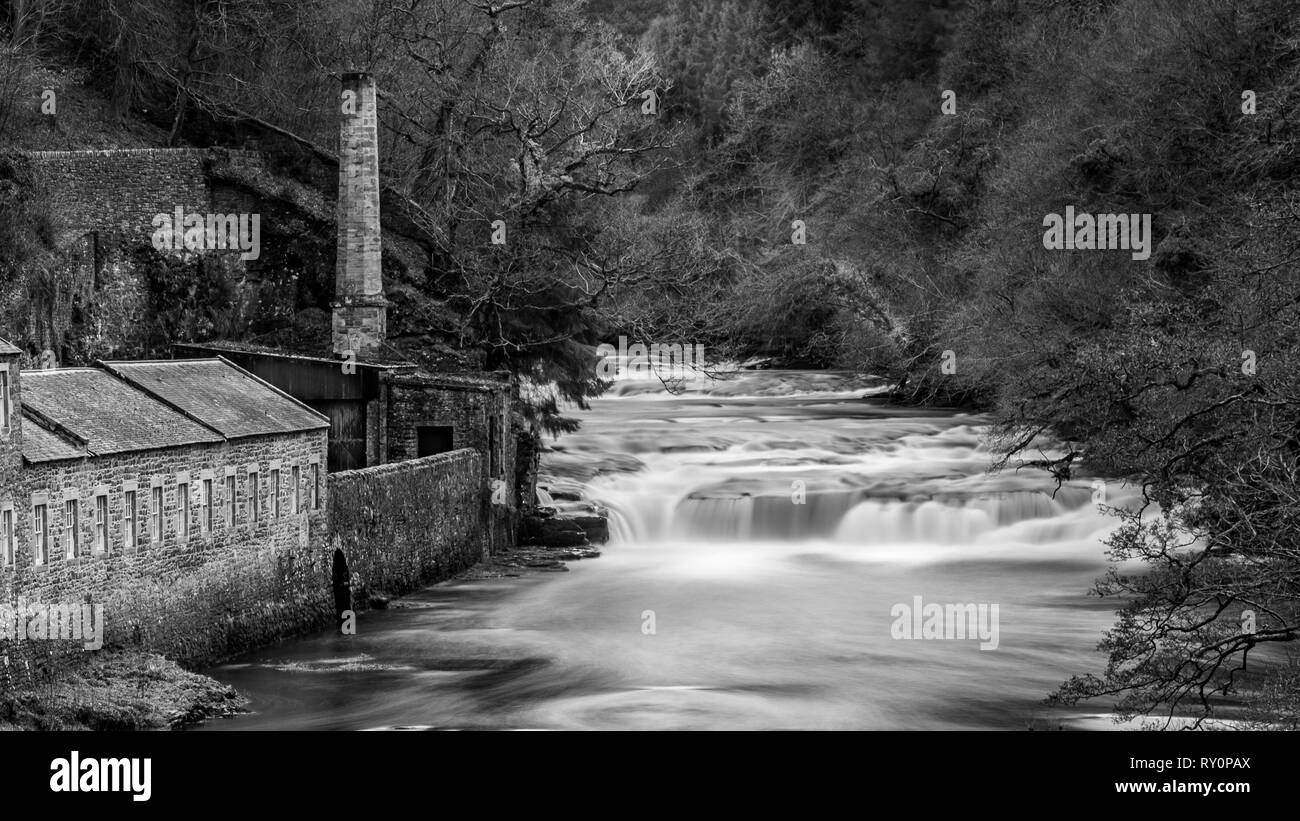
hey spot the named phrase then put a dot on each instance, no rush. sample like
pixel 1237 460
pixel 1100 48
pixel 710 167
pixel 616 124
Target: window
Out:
pixel 7 536
pixel 275 493
pixel 231 502
pixel 128 519
pixel 101 523
pixel 254 500
pixel 182 510
pixel 40 536
pixel 205 520
pixel 431 439
pixel 155 514
pixel 295 476
pixel 71 520
pixel 4 399
pixel 315 486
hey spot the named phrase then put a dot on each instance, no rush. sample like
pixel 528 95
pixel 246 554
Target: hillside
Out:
pixel 875 185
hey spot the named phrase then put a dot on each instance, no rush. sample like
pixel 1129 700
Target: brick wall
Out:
pixel 409 523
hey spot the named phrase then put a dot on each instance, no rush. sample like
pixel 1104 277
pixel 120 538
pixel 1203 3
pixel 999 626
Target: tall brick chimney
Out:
pixel 360 310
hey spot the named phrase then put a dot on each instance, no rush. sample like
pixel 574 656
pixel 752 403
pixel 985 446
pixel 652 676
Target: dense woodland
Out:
pixel 924 258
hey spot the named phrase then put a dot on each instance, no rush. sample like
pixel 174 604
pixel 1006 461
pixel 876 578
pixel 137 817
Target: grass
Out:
pixel 118 690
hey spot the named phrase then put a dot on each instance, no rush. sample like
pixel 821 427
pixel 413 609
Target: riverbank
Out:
pixel 119 690
pixel 128 690
pixel 520 561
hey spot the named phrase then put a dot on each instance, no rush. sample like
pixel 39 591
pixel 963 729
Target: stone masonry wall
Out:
pixel 409 523
pixel 224 589
pixel 230 589
pixel 416 401
pixel 118 192
pixel 101 206
pixel 471 411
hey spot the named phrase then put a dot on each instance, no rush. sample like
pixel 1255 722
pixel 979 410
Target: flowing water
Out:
pixel 766 533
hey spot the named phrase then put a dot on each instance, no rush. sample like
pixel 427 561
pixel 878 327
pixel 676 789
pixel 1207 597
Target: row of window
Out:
pixel 144 518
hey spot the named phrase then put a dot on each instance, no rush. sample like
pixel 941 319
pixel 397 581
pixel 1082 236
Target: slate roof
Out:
pixel 109 415
pixel 383 360
pixel 481 382
pixel 221 395
pixel 41 445
pixel 7 349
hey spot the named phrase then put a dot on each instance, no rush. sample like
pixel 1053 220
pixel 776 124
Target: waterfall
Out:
pixel 764 532
pixel 801 459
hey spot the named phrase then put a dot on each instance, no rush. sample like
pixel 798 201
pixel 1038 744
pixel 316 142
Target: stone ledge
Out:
pixel 451 457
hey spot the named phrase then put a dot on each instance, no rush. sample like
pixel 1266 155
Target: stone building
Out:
pixel 129 483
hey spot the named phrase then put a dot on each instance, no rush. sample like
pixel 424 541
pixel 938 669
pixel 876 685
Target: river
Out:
pixel 771 535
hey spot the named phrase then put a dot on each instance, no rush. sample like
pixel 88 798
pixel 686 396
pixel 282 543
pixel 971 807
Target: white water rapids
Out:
pixel 764 532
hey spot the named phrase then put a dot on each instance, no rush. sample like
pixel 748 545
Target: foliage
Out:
pixel 924 231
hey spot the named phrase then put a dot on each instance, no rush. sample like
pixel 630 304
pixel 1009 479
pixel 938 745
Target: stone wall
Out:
pixel 119 191
pixel 478 412
pixel 409 523
pixel 101 206
pixel 222 590
pixel 468 407
pixel 116 194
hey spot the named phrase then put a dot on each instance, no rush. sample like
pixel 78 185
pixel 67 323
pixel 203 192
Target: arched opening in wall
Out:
pixel 342 587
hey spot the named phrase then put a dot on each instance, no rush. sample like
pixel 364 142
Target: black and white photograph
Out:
pixel 921 369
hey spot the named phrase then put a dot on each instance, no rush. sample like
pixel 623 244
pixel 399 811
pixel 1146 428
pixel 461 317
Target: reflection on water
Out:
pixel 763 529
